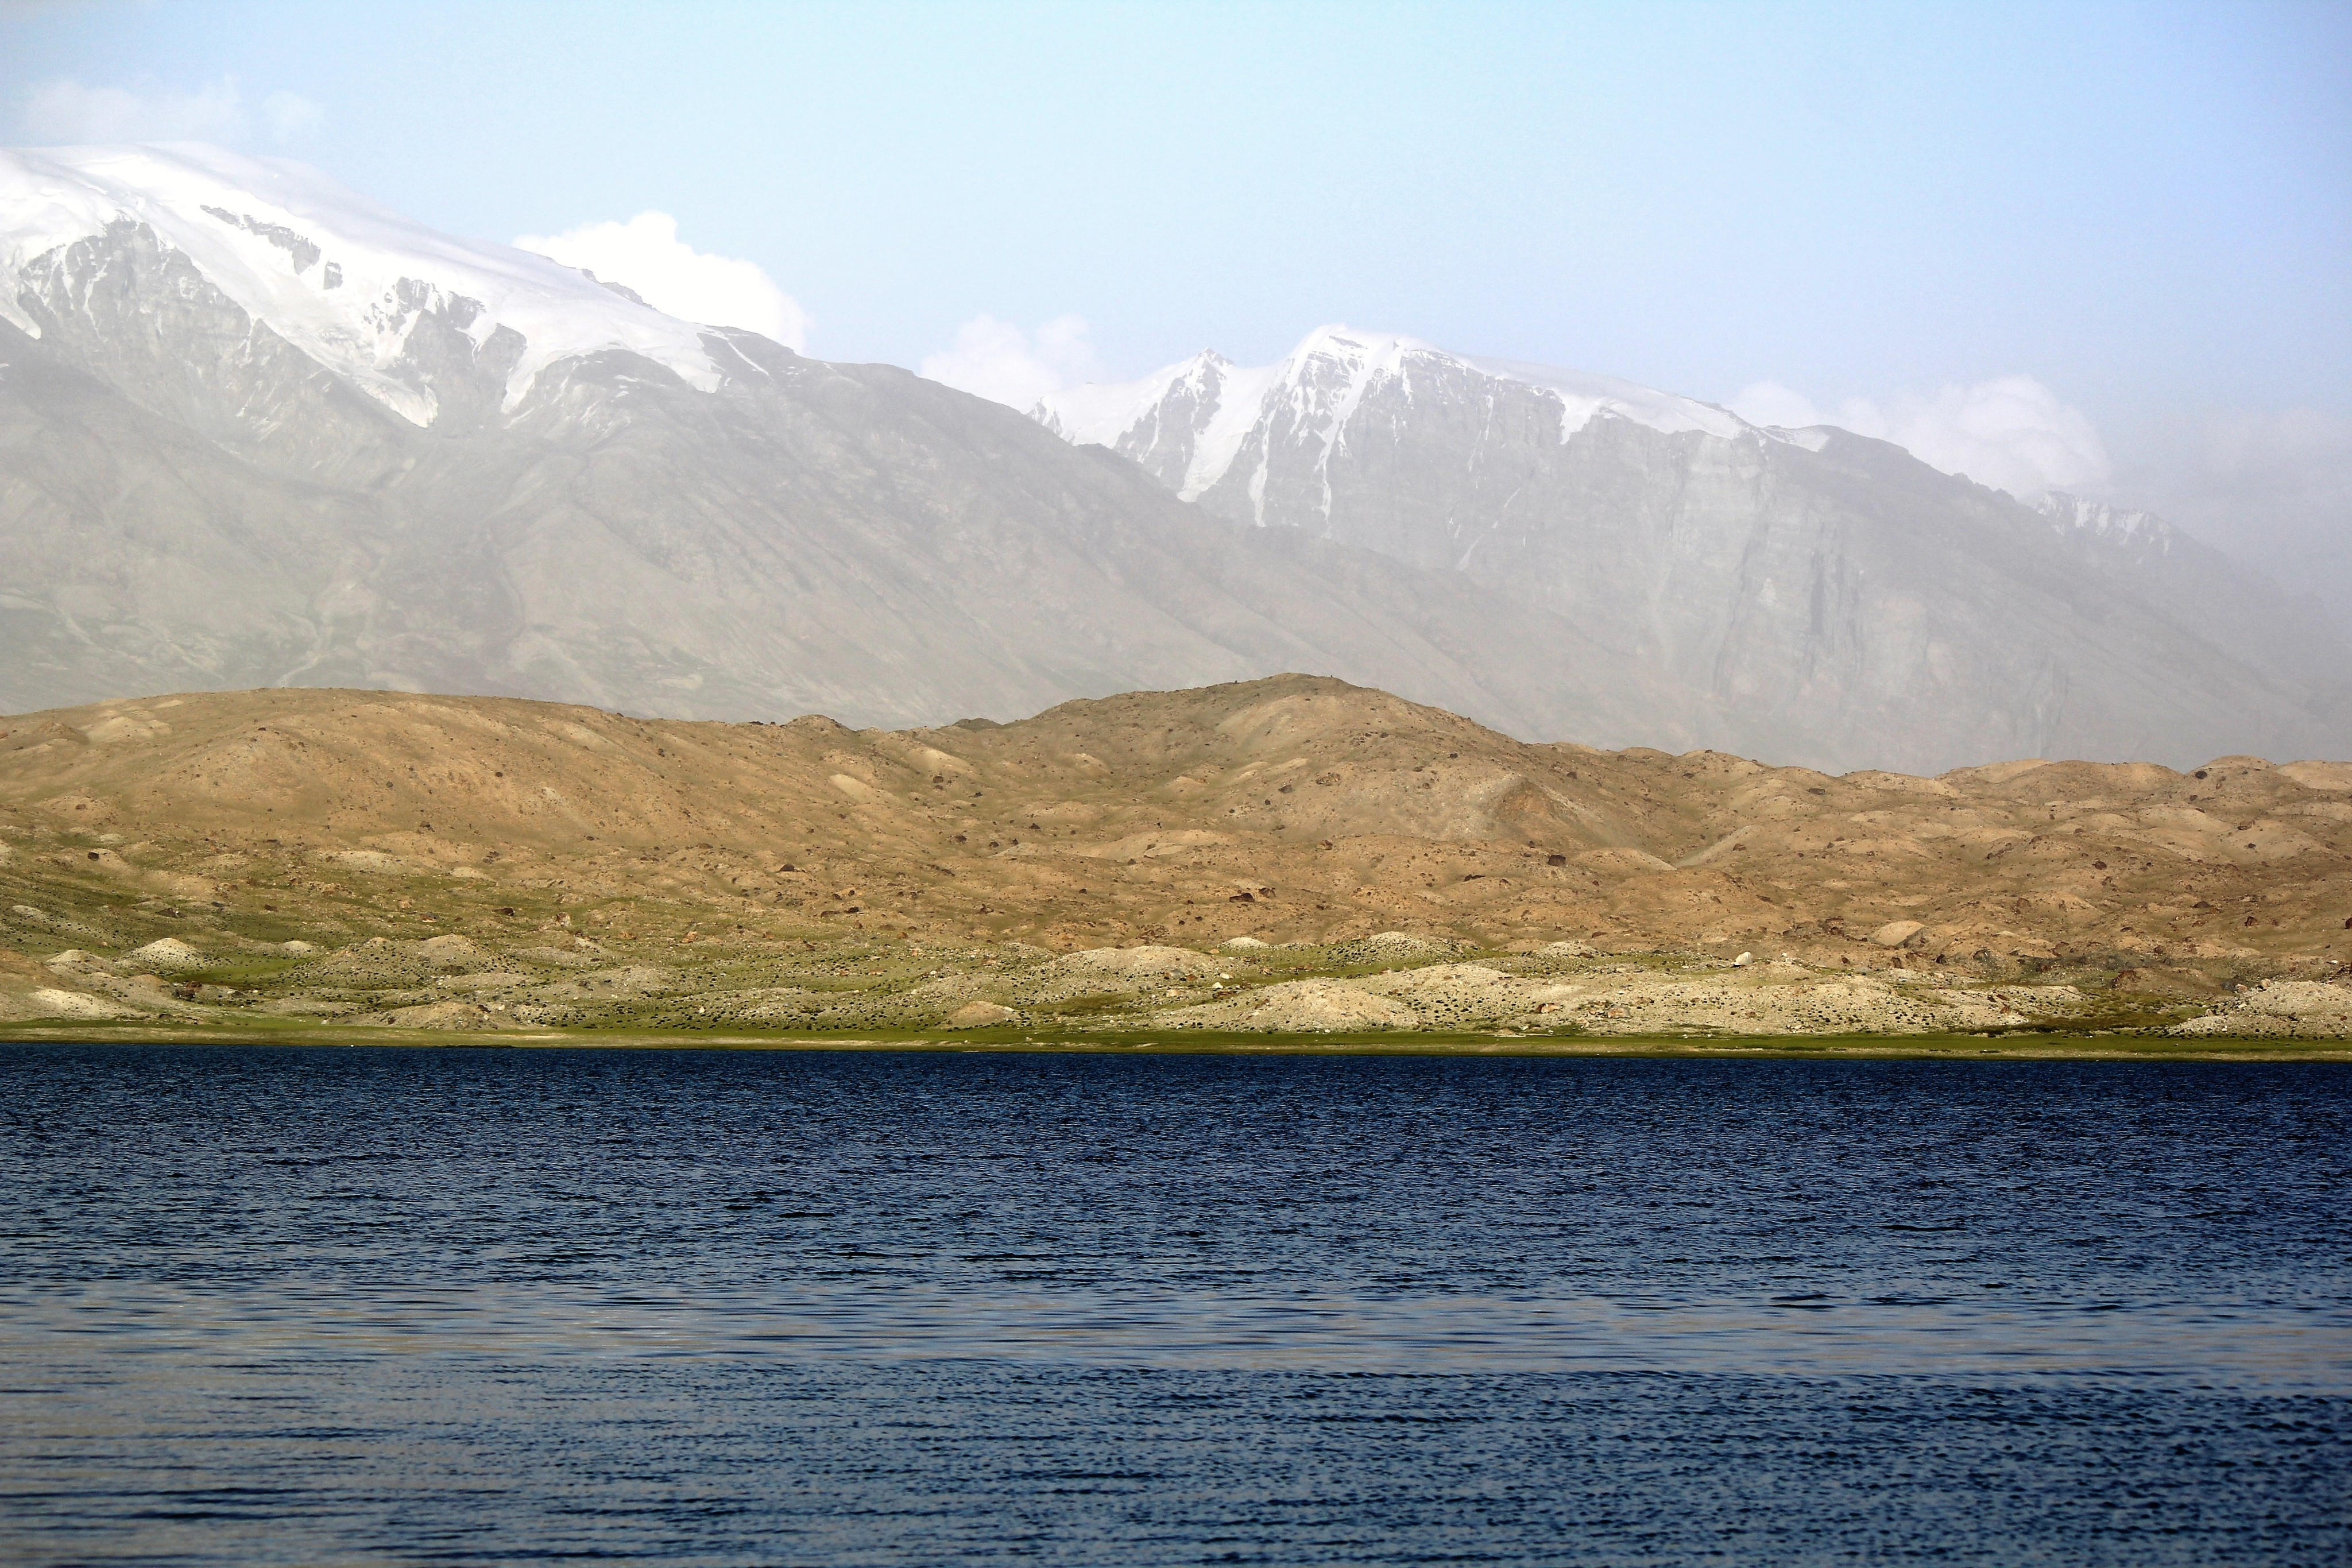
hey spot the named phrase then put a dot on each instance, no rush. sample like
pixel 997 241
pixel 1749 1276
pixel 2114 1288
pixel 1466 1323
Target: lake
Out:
pixel 264 1305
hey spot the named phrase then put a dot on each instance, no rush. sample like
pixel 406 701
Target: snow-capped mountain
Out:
pixel 1208 426
pixel 1373 437
pixel 341 279
pixel 2080 517
pixel 256 430
pixel 1815 579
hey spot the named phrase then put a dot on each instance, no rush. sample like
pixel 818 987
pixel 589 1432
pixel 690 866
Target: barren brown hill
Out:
pixel 1290 810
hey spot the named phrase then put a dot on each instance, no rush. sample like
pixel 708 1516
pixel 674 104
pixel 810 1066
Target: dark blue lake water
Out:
pixel 313 1306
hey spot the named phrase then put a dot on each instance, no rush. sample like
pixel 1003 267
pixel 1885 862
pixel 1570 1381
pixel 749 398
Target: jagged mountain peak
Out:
pixel 2120 526
pixel 1796 572
pixel 193 502
pixel 1191 422
pixel 1362 359
pixel 341 279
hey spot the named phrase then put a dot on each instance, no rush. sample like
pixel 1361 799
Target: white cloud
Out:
pixel 69 112
pixel 2295 456
pixel 1770 402
pixel 2010 433
pixel 646 255
pixel 2272 486
pixel 292 116
pixel 998 361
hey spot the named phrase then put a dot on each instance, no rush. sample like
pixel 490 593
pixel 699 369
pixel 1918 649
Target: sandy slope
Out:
pixel 1292 811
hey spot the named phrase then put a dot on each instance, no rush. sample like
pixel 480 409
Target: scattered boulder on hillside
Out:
pixel 719 845
pixel 442 1015
pixel 2308 1009
pixel 165 956
pixel 1758 999
pixel 374 861
pixel 1454 995
pixel 486 980
pixel 1121 969
pixel 50 1002
pixel 1304 1006
pixel 307 1008
pixel 632 982
pixel 562 958
pixel 451 950
pixel 1396 947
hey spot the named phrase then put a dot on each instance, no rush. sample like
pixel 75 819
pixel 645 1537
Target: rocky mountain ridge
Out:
pixel 555 498
pixel 255 430
pixel 1815 580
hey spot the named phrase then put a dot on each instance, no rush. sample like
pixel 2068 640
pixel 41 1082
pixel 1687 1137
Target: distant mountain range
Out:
pixel 256 430
pixel 1841 598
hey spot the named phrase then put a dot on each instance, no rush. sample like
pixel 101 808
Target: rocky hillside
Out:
pixel 1293 810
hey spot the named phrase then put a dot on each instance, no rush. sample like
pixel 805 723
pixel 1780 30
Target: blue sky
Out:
pixel 2146 209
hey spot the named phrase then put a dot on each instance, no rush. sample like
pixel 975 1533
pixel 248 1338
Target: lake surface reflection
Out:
pixel 266 1305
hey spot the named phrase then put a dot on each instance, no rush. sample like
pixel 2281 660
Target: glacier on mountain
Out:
pixel 2072 513
pixel 1808 579
pixel 341 278
pixel 1318 387
pixel 258 430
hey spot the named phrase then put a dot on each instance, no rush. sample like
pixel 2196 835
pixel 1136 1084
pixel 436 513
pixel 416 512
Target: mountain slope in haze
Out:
pixel 2229 603
pixel 1821 585
pixel 255 430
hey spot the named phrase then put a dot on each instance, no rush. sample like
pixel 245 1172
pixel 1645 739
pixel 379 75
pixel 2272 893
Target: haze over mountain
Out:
pixel 256 430
pixel 1818 582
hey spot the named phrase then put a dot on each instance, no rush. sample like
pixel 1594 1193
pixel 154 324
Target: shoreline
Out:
pixel 2019 1046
